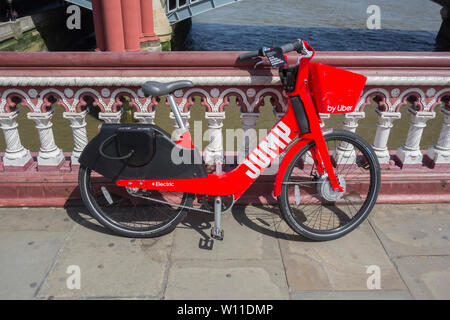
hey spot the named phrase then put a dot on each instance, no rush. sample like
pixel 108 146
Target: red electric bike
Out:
pixel 138 181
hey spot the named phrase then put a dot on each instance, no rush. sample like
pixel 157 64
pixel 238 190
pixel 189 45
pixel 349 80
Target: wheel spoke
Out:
pixel 320 211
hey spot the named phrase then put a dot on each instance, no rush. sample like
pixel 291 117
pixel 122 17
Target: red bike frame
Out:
pixel 284 136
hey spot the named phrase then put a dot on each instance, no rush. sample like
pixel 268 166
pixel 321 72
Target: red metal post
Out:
pixel 112 25
pixel 98 24
pixel 131 25
pixel 148 29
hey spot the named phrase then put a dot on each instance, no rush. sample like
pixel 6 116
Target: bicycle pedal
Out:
pixel 217 234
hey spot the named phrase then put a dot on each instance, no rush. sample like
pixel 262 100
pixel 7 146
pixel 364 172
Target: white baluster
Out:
pixel 185 116
pixel 345 153
pixel 78 125
pixel 110 117
pixel 15 154
pixel 49 153
pixel 249 137
pixel 410 152
pixel 145 117
pixel 323 117
pixel 384 126
pixel 440 152
pixel 351 120
pixel 214 151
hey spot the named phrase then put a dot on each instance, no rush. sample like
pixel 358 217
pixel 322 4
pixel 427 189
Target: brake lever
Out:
pixel 260 62
pixel 305 53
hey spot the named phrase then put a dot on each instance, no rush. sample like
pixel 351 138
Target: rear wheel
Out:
pixel 129 211
pixel 307 201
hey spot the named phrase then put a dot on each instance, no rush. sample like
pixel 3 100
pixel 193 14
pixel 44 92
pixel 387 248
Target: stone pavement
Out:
pixel 260 258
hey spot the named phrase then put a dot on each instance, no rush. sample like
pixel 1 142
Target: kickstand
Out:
pixel 217 231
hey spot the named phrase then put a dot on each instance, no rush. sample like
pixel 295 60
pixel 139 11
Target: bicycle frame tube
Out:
pixel 282 137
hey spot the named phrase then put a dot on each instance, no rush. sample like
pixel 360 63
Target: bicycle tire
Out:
pixel 298 223
pixel 95 208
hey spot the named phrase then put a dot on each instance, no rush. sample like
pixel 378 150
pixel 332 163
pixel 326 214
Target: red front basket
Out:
pixel 335 90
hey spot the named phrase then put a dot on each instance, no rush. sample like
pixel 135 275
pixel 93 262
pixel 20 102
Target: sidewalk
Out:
pixel 260 257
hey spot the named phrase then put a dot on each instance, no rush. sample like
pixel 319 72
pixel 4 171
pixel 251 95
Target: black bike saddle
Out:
pixel 158 89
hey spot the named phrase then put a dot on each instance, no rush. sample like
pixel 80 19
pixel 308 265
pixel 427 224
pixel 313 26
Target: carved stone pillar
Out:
pixel 80 139
pixel 440 152
pixel 15 154
pixel 185 116
pixel 49 153
pixel 145 117
pixel 323 117
pixel 351 120
pixel 110 117
pixel 214 151
pixel 249 137
pixel 410 153
pixel 345 152
pixel 384 126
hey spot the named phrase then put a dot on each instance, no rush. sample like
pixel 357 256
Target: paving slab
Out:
pixel 110 266
pixel 230 279
pixel 26 257
pixel 35 219
pixel 427 277
pixel 409 230
pixel 243 236
pixel 352 295
pixel 341 264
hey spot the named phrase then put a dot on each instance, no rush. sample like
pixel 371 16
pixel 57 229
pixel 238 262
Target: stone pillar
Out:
pixel 145 117
pixel 185 116
pixel 323 117
pixel 214 151
pixel 351 120
pixel 410 152
pixel 384 126
pixel 15 154
pixel 131 24
pixel 49 154
pixel 98 24
pixel 80 140
pixel 149 40
pixel 161 24
pixel 345 152
pixel 112 25
pixel 110 117
pixel 440 152
pixel 250 136
pixel 148 27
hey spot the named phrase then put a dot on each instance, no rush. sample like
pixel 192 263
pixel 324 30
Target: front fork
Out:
pixel 320 153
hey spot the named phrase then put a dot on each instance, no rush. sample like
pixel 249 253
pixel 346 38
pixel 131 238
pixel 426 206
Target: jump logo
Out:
pixel 267 150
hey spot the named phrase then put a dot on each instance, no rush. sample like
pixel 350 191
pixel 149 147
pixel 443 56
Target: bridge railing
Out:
pixel 37 81
pixel 177 10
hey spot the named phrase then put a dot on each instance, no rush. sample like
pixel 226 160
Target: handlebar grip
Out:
pixel 249 55
pixel 294 46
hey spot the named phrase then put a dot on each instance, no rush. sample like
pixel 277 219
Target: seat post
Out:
pixel 176 112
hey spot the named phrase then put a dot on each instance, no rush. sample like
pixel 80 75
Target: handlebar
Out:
pixel 297 45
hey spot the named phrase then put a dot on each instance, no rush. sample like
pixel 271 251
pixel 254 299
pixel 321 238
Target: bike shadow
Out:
pixel 266 220
pixel 81 215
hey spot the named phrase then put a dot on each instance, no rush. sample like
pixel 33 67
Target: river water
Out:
pixel 406 25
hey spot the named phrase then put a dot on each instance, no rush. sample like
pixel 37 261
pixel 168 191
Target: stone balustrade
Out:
pixel 417 82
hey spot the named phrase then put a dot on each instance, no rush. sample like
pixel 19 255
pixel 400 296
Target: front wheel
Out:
pixel 308 203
